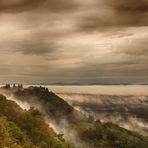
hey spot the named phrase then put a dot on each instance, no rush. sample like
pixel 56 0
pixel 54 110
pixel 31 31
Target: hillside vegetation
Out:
pixel 92 134
pixel 26 129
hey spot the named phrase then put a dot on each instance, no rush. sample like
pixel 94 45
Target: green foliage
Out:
pixel 31 125
pixel 26 129
pixel 55 106
pixel 12 136
pixel 112 136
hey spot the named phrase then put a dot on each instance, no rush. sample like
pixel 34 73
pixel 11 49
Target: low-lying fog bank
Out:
pixel 102 89
pixel 126 106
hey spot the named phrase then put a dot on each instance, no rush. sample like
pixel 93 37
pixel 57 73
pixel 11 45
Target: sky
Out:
pixel 76 41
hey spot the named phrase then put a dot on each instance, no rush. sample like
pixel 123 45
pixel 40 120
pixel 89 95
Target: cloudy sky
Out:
pixel 74 41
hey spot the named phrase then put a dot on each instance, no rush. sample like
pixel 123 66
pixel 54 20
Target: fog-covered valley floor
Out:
pixel 126 106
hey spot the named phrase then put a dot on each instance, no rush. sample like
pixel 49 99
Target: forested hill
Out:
pixel 26 129
pixel 87 132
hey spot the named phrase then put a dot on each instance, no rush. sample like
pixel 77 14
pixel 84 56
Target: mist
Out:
pixel 126 106
pixel 116 104
pixel 62 128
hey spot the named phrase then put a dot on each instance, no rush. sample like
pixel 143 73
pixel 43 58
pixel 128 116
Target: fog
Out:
pixel 23 105
pixel 126 105
pixel 102 89
pixel 63 128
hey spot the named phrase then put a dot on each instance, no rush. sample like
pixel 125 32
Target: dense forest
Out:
pixel 28 128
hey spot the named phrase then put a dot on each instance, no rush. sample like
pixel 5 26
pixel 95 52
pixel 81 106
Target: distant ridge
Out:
pixel 85 84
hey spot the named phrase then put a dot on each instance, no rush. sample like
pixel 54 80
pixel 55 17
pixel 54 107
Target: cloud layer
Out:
pixel 114 13
pixel 12 6
pixel 88 41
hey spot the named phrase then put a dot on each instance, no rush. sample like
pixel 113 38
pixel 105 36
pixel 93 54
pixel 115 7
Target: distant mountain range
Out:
pixel 74 84
pixel 83 84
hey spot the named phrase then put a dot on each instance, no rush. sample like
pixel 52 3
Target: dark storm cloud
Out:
pixel 19 5
pixel 129 6
pixel 35 47
pixel 116 13
pixel 137 52
pixel 46 44
pixel 24 5
pixel 132 12
pixel 136 48
pixel 31 43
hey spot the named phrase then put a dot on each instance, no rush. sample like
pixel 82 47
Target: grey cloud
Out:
pixel 137 48
pixel 31 42
pixel 106 73
pixel 18 5
pixel 24 5
pixel 136 52
pixel 35 47
pixel 132 6
pixel 35 33
pixel 131 12
pixel 115 13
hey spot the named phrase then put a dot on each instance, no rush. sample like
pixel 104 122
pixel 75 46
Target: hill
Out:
pixel 26 129
pixel 77 128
